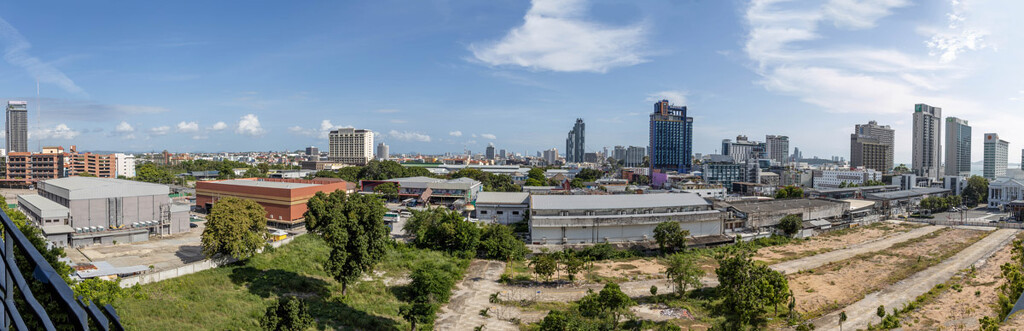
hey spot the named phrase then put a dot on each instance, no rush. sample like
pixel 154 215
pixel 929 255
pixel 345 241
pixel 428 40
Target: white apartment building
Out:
pixel 351 146
pixel 996 155
pixel 124 165
pixel 835 178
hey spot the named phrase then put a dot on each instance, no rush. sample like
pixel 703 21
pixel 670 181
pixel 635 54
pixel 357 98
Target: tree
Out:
pixel 417 312
pixel 880 312
pixel 976 191
pixel 444 230
pixel 148 172
pixel 791 224
pixel 589 175
pixel 432 281
pixel 235 227
pixel 574 264
pixel 670 236
pixel 556 320
pixel 748 288
pixel 533 182
pixel 353 227
pixel 253 172
pixel 842 318
pixel 86 174
pixel 544 265
pixel 288 314
pixel 497 242
pixel 614 301
pixel 536 174
pixel 389 190
pixel 654 290
pixel 790 192
pixel 684 273
pixel 901 169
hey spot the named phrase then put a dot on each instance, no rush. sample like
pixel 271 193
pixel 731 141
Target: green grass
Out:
pixel 234 297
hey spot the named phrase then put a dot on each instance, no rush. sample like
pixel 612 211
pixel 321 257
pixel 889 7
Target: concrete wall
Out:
pixel 95 212
pixel 628 228
pixel 509 213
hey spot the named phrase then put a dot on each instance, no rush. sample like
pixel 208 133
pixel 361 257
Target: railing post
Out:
pixel 8 256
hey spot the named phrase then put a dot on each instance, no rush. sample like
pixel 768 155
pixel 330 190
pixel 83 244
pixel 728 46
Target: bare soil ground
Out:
pixel 832 241
pixel 841 283
pixel 630 270
pixel 968 298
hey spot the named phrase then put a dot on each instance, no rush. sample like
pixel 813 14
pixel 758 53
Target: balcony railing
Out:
pixel 82 314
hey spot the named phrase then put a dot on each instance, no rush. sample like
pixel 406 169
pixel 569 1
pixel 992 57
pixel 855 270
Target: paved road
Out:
pixel 471 296
pixel 896 295
pixel 814 261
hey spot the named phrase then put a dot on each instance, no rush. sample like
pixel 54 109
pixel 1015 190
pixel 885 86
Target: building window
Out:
pixel 483 212
pixel 515 213
pixel 501 212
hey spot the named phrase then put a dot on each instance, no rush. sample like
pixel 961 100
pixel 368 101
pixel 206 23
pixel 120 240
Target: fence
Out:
pixel 972 222
pixel 187 269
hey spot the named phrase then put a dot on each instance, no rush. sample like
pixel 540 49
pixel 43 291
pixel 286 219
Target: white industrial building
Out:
pixel 585 219
pixel 835 178
pixel 1002 191
pixel 502 207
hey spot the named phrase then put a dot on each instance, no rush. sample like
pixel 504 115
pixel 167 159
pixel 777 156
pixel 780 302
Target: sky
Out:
pixel 448 75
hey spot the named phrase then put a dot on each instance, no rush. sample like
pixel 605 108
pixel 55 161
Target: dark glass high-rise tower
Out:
pixel 575 143
pixel 671 138
pixel 17 126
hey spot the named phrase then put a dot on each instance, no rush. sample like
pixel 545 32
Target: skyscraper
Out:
pixel 17 126
pixel 351 146
pixel 778 148
pixel 927 159
pixel 489 152
pixel 958 147
pixel 312 151
pixel 671 138
pixel 383 151
pixel 575 145
pixel 871 147
pixel 996 153
pixel 743 149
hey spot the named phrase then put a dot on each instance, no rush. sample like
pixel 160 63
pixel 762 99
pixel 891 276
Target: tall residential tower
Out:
pixel 871 147
pixel 927 148
pixel 958 147
pixel 778 148
pixel 17 126
pixel 671 138
pixel 351 146
pixel 575 145
pixel 996 154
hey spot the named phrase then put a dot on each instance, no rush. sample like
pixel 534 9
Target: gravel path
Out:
pixel 473 295
pixel 896 295
pixel 814 261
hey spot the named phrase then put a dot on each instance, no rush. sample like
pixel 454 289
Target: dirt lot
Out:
pixel 162 253
pixel 631 270
pixel 841 283
pixel 832 241
pixel 961 309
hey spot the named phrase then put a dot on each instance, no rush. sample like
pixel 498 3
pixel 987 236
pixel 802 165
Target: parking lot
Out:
pixel 976 214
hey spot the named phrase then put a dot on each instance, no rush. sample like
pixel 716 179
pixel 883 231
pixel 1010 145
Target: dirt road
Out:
pixel 814 261
pixel 896 295
pixel 471 296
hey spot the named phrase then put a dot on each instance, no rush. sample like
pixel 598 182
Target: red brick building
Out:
pixel 284 199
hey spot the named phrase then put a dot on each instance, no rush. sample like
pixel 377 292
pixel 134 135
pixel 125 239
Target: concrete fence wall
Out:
pixel 191 268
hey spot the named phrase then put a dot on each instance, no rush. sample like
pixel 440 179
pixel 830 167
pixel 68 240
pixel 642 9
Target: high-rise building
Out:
pixel 351 146
pixel 490 152
pixel 17 126
pixel 383 151
pixel 671 138
pixel 551 156
pixel 996 153
pixel 502 153
pixel 871 147
pixel 958 147
pixel 124 165
pixel 634 156
pixel 743 149
pixel 927 148
pixel 797 155
pixel 777 148
pixel 98 165
pixel 575 144
pixel 312 151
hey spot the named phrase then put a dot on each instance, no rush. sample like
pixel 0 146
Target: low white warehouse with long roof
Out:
pixel 584 219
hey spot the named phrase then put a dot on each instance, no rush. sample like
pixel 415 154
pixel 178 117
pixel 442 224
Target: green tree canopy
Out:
pixel 444 230
pixel 789 192
pixel 388 190
pixel 497 242
pixel 976 191
pixel 353 227
pixel 544 265
pixel 791 224
pixel 287 314
pixel 684 272
pixel 670 236
pixel 235 227
pixel 748 288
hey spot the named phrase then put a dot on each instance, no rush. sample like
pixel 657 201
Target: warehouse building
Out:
pixel 82 211
pixel 759 214
pixel 502 207
pixel 433 190
pixel 587 219
pixel 284 199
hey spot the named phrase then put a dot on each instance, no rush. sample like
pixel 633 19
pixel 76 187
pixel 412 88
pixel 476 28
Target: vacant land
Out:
pixel 966 298
pixel 831 241
pixel 235 296
pixel 838 284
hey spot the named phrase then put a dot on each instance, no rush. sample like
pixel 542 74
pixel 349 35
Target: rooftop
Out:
pixel 507 198
pixel 264 184
pixel 74 188
pixel 914 192
pixel 43 207
pixel 617 201
pixel 752 206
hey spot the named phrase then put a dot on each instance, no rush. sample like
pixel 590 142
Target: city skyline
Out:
pixel 208 87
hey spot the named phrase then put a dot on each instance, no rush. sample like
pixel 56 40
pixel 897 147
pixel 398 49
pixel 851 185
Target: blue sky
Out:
pixel 435 76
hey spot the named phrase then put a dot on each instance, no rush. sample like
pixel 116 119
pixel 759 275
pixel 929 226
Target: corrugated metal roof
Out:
pixel 43 207
pixel 915 192
pixel 503 198
pixel 263 183
pixel 74 188
pixel 617 201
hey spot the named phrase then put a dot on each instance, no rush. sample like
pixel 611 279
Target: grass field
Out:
pixel 234 297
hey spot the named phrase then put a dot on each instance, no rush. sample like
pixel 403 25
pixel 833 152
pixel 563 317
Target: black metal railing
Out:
pixel 19 300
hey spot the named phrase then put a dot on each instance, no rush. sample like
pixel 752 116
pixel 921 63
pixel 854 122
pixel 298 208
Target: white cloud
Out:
pixel 488 136
pixel 409 136
pixel 249 125
pixel 322 132
pixel 219 126
pixel 188 126
pixel 124 127
pixel 16 53
pixel 160 130
pixel 555 36
pixel 60 131
pixel 455 133
pixel 960 36
pixel 860 14
pixel 674 97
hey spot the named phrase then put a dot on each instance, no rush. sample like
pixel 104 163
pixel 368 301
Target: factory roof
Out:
pixel 617 201
pixel 914 192
pixel 503 198
pixel 45 208
pixel 779 205
pixel 75 188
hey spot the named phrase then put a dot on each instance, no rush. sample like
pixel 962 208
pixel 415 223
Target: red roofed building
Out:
pixel 284 199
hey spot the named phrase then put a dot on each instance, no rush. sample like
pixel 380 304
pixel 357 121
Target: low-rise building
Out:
pixel 836 178
pixel 82 211
pixel 434 190
pixel 1002 191
pixel 283 199
pixel 588 219
pixel 903 201
pixel 760 214
pixel 502 207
